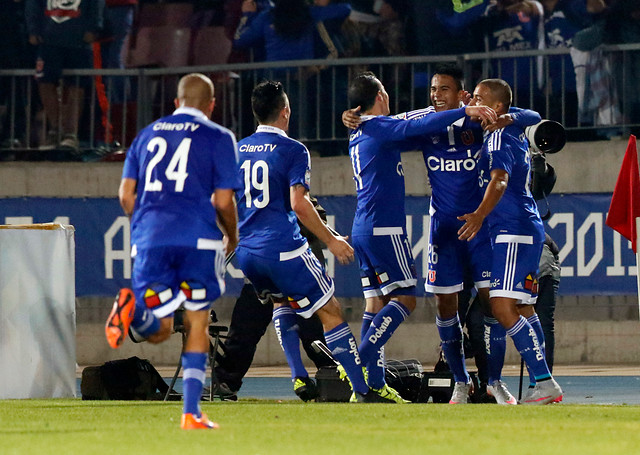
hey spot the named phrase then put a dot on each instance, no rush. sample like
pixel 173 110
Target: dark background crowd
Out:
pixel 581 88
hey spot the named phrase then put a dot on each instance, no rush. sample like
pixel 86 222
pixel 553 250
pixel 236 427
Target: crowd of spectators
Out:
pixel 579 89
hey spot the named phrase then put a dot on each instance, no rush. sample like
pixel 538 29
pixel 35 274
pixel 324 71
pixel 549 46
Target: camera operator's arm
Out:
pixel 543 176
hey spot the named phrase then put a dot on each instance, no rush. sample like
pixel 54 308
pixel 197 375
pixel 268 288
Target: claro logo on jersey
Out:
pixel 435 163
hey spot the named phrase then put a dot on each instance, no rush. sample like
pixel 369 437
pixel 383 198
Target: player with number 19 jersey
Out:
pixel 178 162
pixel 271 163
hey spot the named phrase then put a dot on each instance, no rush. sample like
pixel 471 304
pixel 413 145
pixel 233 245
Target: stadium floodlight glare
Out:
pixel 546 137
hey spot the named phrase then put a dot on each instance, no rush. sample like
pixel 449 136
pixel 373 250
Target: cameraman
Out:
pixel 543 179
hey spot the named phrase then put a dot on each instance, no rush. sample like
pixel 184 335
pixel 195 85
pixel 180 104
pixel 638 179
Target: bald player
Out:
pixel 178 186
pixel 517 237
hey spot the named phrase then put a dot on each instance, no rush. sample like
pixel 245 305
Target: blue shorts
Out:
pixel 516 259
pixel 449 257
pixel 297 275
pixel 386 262
pixel 164 278
pixel 57 58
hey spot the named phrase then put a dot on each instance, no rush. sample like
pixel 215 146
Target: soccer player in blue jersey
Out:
pixel 517 236
pixel 272 253
pixel 450 155
pixel 178 186
pixel 379 229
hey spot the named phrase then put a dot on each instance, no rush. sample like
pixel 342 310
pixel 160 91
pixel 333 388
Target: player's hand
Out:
pixel 472 224
pixel 467 98
pixel 229 244
pixel 501 122
pixel 341 249
pixel 484 113
pixel 351 118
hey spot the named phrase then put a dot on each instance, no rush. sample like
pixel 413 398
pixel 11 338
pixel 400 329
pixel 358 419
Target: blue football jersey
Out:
pixel 374 149
pixel 516 213
pixel 179 161
pixel 270 163
pixel 451 156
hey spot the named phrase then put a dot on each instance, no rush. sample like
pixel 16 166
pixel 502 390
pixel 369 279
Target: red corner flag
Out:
pixel 625 203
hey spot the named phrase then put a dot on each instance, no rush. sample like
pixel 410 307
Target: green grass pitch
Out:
pixel 74 426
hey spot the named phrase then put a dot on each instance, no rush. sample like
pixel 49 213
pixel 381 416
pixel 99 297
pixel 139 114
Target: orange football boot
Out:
pixel 120 318
pixel 191 422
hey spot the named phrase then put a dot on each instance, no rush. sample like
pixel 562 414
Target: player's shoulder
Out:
pixel 415 114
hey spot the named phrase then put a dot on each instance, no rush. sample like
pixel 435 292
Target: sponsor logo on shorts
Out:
pixel 531 283
pixel 496 283
pixel 432 276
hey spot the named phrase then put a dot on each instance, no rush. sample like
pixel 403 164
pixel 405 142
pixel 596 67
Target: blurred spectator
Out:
pixel 64 32
pixel 13 55
pixel 289 31
pixel 286 30
pixel 517 25
pixel 563 19
pixel 382 28
pixel 601 78
pixel 118 20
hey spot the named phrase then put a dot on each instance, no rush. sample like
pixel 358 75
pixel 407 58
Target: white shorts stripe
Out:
pixel 312 265
pixel 509 238
pixel 387 231
pixel 285 256
pixel 401 256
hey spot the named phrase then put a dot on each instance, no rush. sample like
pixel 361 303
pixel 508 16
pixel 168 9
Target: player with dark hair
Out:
pixel 272 253
pixel 178 186
pixel 517 236
pixel 379 229
pixel 450 155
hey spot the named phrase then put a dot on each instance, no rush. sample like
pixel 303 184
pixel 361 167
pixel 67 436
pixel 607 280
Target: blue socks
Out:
pixel 375 371
pixel 285 323
pixel 194 364
pixel 451 336
pixel 343 347
pixel 537 327
pixel 495 338
pixel 382 327
pixel 144 322
pixel 526 342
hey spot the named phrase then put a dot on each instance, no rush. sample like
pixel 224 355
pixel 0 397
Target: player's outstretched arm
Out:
pixel 224 202
pixel 127 195
pixel 492 195
pixel 307 214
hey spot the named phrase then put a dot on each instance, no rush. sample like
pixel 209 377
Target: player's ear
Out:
pixel 176 103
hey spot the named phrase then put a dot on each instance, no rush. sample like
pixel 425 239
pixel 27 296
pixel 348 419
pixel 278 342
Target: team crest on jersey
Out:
pixel 467 137
pixel 432 276
pixel 531 284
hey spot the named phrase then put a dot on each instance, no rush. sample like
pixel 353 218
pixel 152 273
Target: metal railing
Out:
pixel 318 94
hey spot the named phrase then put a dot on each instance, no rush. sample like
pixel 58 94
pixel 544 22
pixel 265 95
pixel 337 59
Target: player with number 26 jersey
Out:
pixel 178 162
